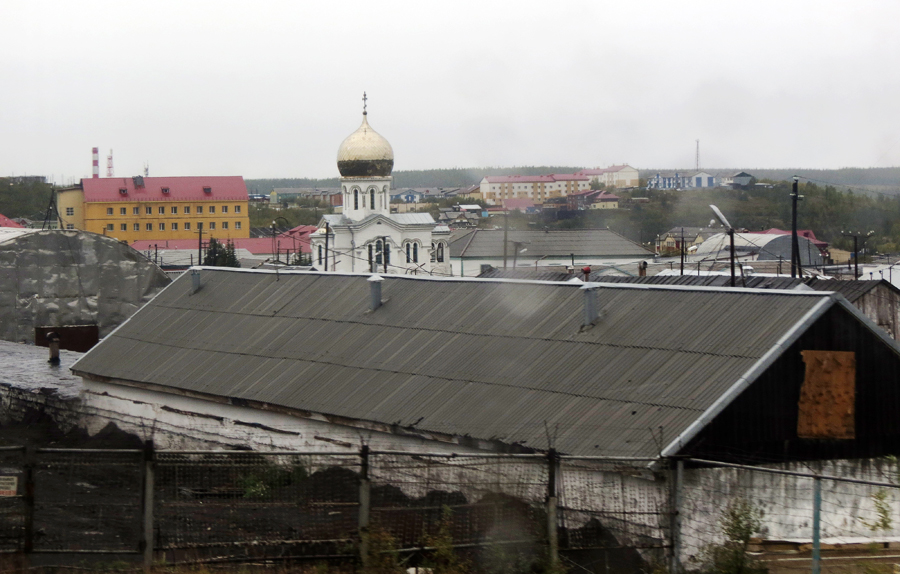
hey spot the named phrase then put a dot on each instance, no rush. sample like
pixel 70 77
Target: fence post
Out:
pixel 364 506
pixel 147 542
pixel 817 511
pixel 552 507
pixel 677 481
pixel 29 502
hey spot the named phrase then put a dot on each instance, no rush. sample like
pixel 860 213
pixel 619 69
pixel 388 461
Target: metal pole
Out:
pixel 552 506
pixel 29 501
pixel 364 506
pixel 505 232
pixel 200 243
pixel 855 258
pixel 731 236
pixel 795 244
pixel 327 233
pixel 677 486
pixel 147 542
pixel 817 511
pixel 682 251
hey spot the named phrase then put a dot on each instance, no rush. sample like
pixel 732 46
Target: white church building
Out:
pixel 367 237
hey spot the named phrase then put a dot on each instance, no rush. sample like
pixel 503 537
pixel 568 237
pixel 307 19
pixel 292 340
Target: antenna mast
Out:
pixel 697 167
pixel 109 166
pixel 95 157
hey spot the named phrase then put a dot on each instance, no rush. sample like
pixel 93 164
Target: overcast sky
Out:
pixel 270 89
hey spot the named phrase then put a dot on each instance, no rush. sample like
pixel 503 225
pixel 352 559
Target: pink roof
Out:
pixel 518 178
pixel 255 245
pixel 222 188
pixel 536 178
pixel 7 222
pixel 609 169
pixel 517 203
pixel 606 196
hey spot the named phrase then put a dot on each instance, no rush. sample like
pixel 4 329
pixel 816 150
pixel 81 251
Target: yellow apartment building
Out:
pixel 537 188
pixel 156 208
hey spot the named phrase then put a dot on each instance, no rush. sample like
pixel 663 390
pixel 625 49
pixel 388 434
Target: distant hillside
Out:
pixel 455 177
pixel 874 179
pixel 871 179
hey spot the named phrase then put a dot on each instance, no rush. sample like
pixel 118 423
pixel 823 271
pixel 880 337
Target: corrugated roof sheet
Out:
pixel 222 188
pixel 551 243
pixel 498 360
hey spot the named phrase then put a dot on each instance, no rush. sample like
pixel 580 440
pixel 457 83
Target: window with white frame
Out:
pixel 70 211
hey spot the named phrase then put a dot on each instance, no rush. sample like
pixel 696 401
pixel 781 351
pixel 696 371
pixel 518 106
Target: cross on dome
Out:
pixel 364 103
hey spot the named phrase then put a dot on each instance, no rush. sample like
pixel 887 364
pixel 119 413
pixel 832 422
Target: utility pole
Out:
pixel 200 243
pixel 327 233
pixel 855 237
pixel 682 251
pixel 796 269
pixel 505 232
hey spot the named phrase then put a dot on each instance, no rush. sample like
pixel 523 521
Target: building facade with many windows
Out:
pixel 132 209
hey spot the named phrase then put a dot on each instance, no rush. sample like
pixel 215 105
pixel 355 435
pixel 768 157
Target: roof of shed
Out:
pixel 555 243
pixel 502 360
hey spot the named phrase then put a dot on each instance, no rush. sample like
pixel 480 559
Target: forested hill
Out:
pixel 455 177
pixel 884 179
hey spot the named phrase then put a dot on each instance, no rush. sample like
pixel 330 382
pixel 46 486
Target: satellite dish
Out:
pixel 712 223
pixel 720 216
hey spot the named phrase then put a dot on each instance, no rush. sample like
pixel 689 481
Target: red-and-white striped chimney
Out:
pixel 96 157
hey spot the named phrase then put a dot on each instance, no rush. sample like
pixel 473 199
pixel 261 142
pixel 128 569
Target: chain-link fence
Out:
pixel 476 499
pixel 605 515
pixel 87 500
pixel 13 504
pixel 242 499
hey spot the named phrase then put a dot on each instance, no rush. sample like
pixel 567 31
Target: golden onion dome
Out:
pixel 365 153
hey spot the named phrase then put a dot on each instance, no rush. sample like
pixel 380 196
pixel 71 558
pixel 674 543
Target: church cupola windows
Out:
pixel 355 199
pixel 372 199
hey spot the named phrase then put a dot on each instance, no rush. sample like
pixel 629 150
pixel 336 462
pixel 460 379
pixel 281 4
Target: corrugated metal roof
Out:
pixel 222 188
pixel 490 359
pixel 555 243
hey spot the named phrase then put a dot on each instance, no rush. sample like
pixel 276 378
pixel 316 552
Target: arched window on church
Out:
pixel 355 199
pixel 378 248
pixel 433 253
pixel 415 252
pixel 320 254
pixel 440 252
pixel 408 253
pixel 371 199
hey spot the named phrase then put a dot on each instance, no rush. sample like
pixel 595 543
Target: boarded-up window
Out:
pixel 828 395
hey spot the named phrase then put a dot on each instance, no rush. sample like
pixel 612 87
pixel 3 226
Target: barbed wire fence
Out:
pixel 593 514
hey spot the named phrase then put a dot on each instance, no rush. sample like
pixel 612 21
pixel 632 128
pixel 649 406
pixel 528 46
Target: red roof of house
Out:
pixel 606 196
pixel 222 188
pixel 522 204
pixel 7 222
pixel 255 245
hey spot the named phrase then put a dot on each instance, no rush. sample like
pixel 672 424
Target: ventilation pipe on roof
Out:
pixel 375 292
pixel 195 280
pixel 591 310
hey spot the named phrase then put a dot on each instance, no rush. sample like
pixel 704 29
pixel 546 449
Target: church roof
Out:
pixel 550 243
pixel 365 153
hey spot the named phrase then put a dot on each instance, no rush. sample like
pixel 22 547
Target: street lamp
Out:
pixel 730 236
